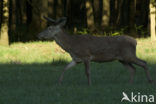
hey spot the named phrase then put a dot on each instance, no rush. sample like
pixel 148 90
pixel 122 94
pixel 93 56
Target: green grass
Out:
pixel 35 52
pixel 29 75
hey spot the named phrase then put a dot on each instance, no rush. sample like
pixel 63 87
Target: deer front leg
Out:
pixel 131 69
pixel 71 64
pixel 87 70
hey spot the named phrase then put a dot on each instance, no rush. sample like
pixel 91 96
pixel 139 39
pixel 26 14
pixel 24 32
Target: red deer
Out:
pixel 87 48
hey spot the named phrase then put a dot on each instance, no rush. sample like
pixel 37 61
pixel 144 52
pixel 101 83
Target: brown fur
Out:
pixel 99 48
pixel 86 48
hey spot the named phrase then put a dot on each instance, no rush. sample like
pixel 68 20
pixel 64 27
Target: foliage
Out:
pixel 141 31
pixel 83 31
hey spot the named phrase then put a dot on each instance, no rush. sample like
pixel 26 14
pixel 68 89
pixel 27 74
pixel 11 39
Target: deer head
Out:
pixel 52 30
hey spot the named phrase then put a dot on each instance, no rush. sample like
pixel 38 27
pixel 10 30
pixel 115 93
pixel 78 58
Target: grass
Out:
pixel 36 52
pixel 29 74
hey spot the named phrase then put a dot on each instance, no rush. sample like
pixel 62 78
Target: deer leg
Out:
pixel 87 71
pixel 143 64
pixel 131 69
pixel 130 64
pixel 71 64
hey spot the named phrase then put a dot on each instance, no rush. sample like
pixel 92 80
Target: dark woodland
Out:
pixel 22 20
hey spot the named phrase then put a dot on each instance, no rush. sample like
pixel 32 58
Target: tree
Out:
pixel 26 16
pixel 51 9
pixel 152 20
pixel 44 12
pixel 13 16
pixel 69 12
pixel 105 13
pixel 90 15
pixel 59 9
pixel 23 11
pixel 119 10
pixel 132 16
pixel 4 38
pixel 97 12
pixel 39 9
pixel 1 12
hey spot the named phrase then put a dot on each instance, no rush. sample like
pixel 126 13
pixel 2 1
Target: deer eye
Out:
pixel 50 28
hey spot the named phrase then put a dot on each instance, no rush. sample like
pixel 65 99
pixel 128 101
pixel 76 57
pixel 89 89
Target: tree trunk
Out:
pixel 12 20
pixel 29 12
pixel 90 15
pixel 105 13
pixel 119 10
pixel 152 21
pixel 1 12
pixel 13 17
pixel 113 12
pixel 51 9
pixel 4 40
pixel 97 12
pixel 59 9
pixel 132 17
pixel 44 12
pixel 144 12
pixel 124 14
pixel 40 9
pixel 23 12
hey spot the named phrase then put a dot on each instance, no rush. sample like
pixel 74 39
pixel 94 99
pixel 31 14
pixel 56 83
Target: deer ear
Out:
pixel 61 22
pixel 50 19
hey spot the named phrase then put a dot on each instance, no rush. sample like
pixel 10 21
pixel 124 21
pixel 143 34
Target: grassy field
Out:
pixel 29 74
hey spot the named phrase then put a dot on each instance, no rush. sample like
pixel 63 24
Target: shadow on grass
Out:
pixel 16 64
pixel 37 83
pixel 106 73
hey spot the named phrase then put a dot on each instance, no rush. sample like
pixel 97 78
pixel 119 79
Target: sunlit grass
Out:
pixel 46 52
pixel 35 52
pixel 146 49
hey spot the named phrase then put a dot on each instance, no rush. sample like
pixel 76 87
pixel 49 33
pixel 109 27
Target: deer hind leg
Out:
pixel 143 64
pixel 71 64
pixel 131 69
pixel 87 71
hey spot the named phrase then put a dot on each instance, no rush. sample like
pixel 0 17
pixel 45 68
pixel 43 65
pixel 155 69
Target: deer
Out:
pixel 88 48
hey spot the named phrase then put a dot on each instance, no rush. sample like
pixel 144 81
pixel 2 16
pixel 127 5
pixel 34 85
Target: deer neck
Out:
pixel 63 40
